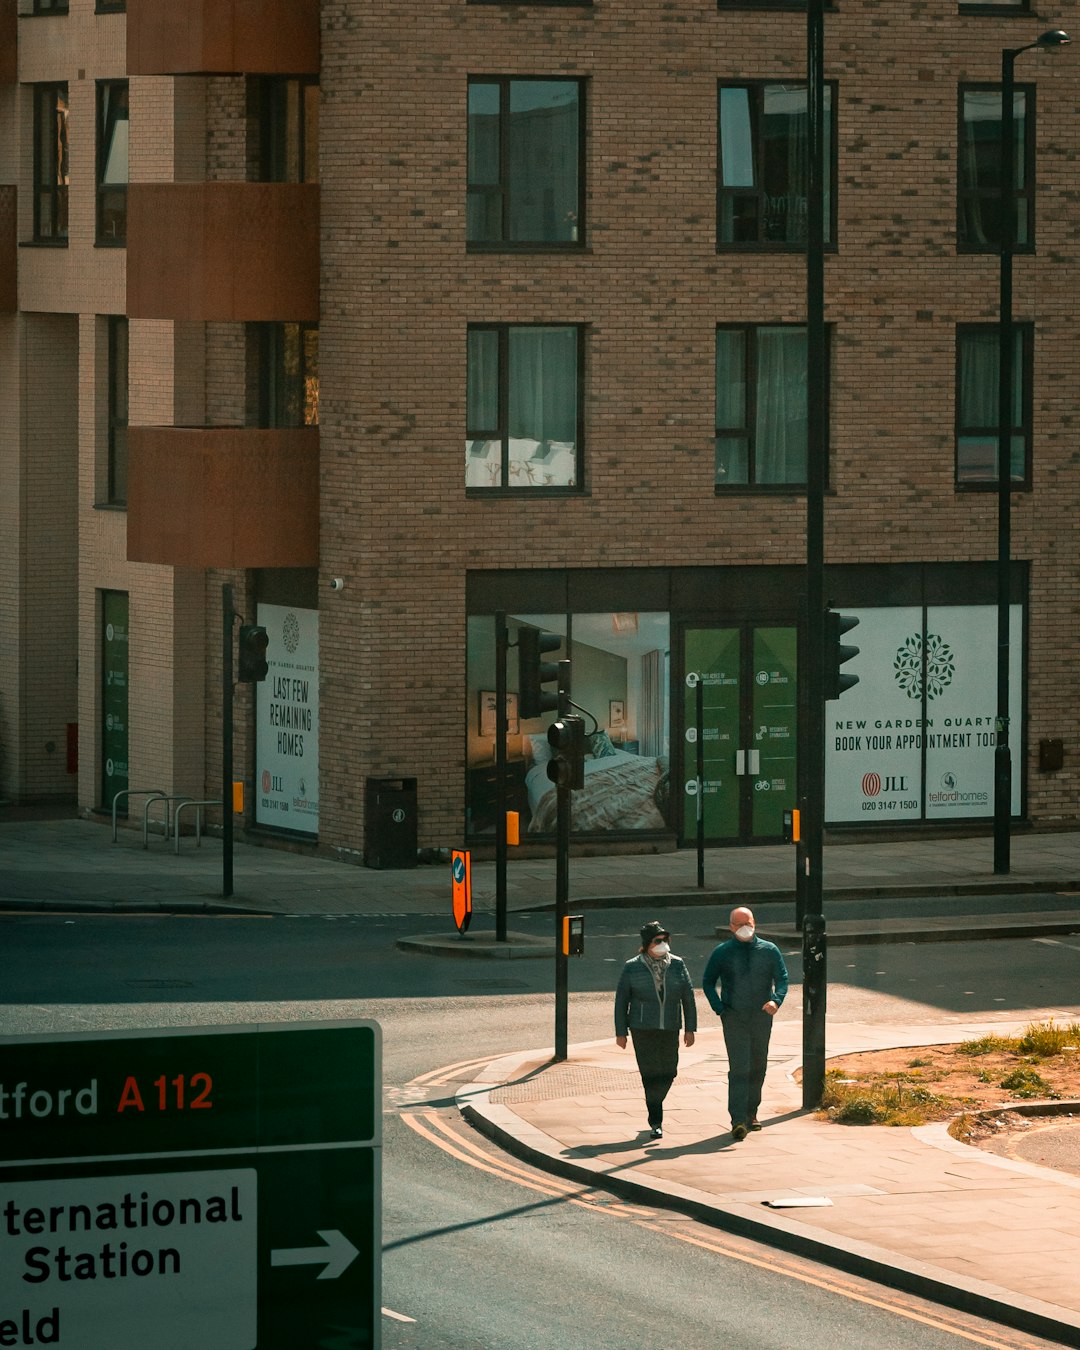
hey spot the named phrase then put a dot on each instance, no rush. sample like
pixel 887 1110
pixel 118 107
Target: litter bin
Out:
pixel 390 822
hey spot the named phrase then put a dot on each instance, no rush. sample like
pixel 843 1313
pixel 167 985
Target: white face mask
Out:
pixel 745 933
pixel 659 949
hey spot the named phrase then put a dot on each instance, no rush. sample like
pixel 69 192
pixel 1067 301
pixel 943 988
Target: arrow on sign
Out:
pixel 337 1255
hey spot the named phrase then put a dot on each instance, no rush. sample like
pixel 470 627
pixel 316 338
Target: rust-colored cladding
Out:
pixel 221 37
pixel 9 52
pixel 223 496
pixel 223 251
pixel 9 252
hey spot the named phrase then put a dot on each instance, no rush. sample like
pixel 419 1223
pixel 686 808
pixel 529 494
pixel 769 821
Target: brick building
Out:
pixel 399 315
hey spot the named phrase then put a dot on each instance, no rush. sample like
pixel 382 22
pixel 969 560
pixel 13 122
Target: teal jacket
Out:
pixel 749 975
pixel 638 1004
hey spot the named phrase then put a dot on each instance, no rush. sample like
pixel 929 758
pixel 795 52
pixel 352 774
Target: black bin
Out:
pixel 390 822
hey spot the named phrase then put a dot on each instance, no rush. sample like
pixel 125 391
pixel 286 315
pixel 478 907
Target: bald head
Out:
pixel 742 918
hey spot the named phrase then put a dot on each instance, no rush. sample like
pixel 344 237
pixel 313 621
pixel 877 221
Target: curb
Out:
pixel 517 947
pixel 976 1297
pixel 49 906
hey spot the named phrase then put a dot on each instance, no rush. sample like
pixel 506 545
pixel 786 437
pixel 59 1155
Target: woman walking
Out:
pixel 653 999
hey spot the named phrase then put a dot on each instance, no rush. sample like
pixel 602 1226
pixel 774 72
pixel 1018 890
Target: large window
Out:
pixel 112 161
pixel 288 356
pixel 49 6
pixel 525 162
pixel 51 163
pixel 761 406
pixel 764 165
pixel 978 225
pixel 289 124
pixel 118 409
pixel 978 355
pixel 523 418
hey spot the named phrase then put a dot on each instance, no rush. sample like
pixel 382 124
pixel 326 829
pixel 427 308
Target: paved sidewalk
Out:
pixel 910 1207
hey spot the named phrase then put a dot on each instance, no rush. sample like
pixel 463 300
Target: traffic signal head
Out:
pixel 534 673
pixel 567 739
pixel 837 653
pixel 253 644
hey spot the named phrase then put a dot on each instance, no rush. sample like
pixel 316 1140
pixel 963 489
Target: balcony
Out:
pixel 222 37
pixel 223 251
pixel 9 51
pixel 223 496
pixel 9 291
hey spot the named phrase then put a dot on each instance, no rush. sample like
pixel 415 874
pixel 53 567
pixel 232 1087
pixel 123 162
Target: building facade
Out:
pixel 411 321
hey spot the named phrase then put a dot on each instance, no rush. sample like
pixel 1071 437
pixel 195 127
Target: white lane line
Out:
pixel 398 1317
pixel 1053 942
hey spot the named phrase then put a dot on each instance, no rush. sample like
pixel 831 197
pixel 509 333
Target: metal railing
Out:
pixel 132 792
pixel 169 817
pixel 196 806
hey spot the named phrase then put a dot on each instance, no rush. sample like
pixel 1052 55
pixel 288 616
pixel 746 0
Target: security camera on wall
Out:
pixel 337 584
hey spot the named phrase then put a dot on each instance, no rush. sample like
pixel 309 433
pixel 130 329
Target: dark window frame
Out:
pixel 987 7
pixel 503 244
pixel 501 433
pixel 46 8
pixel 47 96
pixel 748 430
pixel 1025 193
pixel 110 6
pixel 1024 333
pixel 103 138
pixel 757 88
pixel 116 486
pixel 524 4
pixel 273 391
pixel 273 140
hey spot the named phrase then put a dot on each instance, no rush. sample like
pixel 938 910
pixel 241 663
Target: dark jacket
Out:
pixel 749 974
pixel 638 1004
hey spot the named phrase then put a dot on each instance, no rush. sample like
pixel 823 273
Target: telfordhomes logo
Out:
pixel 951 794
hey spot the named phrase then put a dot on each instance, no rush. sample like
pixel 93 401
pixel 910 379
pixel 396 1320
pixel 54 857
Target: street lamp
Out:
pixel 1054 37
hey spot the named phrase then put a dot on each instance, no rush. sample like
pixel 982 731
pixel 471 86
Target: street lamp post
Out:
pixel 1054 37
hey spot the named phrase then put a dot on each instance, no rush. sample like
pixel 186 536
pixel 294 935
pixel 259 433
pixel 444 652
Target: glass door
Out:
pixel 748 678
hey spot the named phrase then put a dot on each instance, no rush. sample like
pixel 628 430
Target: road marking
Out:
pixel 398 1317
pixel 1053 942
pixel 451 1071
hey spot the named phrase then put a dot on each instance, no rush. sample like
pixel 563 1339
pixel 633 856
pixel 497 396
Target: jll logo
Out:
pixel 871 784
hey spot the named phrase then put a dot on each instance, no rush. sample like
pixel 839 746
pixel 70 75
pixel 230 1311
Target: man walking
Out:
pixel 753 981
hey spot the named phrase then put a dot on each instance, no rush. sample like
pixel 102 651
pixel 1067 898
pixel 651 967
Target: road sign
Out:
pixel 461 879
pixel 217 1187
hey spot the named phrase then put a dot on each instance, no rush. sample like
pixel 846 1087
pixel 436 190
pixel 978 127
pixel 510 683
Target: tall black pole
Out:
pixel 813 824
pixel 500 776
pixel 1007 225
pixel 227 617
pixel 699 706
pixel 562 882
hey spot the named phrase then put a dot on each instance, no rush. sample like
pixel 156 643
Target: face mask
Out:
pixel 745 933
pixel 659 949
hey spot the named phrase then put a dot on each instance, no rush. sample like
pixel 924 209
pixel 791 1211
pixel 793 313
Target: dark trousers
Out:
pixel 746 1035
pixel 657 1055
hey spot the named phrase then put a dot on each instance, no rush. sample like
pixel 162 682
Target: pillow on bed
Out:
pixel 600 745
pixel 541 750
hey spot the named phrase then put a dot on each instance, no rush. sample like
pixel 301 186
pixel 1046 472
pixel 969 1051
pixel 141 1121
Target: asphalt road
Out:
pixel 480 1250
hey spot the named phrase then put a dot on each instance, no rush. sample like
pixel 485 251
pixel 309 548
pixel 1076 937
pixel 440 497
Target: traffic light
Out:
pixel 837 653
pixel 534 673
pixel 567 738
pixel 253 644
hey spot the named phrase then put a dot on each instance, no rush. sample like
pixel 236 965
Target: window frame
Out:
pixel 504 245
pixel 45 8
pixel 748 430
pixel 115 493
pixel 110 6
pixel 51 92
pixel 273 166
pixel 273 380
pixel 524 4
pixel 1025 193
pixel 501 433
pixel 1024 331
pixel 757 88
pixel 102 145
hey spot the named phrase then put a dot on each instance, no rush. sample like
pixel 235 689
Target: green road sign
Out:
pixel 217 1187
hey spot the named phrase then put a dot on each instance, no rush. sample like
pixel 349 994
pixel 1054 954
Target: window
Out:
pixel 49 6
pixel 996 6
pixel 288 375
pixel 978 224
pixel 289 123
pixel 112 161
pixel 523 407
pixel 118 409
pixel 110 6
pixel 977 384
pixel 579 4
pixel 51 163
pixel 761 406
pixel 525 162
pixel 764 165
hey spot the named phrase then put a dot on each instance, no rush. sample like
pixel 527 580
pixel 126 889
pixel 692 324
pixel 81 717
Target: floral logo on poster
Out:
pixel 290 633
pixel 940 666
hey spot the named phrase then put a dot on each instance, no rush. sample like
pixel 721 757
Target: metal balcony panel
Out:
pixel 223 251
pixel 223 496
pixel 222 37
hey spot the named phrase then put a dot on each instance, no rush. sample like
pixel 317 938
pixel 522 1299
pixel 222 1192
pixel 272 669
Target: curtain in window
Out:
pixel 780 431
pixel 785 171
pixel 732 451
pixel 651 713
pixel 977 443
pixel 542 161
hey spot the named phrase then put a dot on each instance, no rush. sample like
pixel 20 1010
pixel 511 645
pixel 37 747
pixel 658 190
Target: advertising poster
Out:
pixel 287 721
pixel 915 737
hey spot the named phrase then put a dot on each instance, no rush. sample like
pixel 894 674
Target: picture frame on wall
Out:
pixel 487 710
pixel 616 712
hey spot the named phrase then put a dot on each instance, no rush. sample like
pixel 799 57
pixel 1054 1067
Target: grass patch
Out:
pixel 1045 1039
pixel 1023 1082
pixel 880 1099
pixel 989 1045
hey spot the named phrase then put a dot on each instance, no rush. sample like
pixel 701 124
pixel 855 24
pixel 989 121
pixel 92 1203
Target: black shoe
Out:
pixel 738 1133
pixel 754 1124
pixel 657 1131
